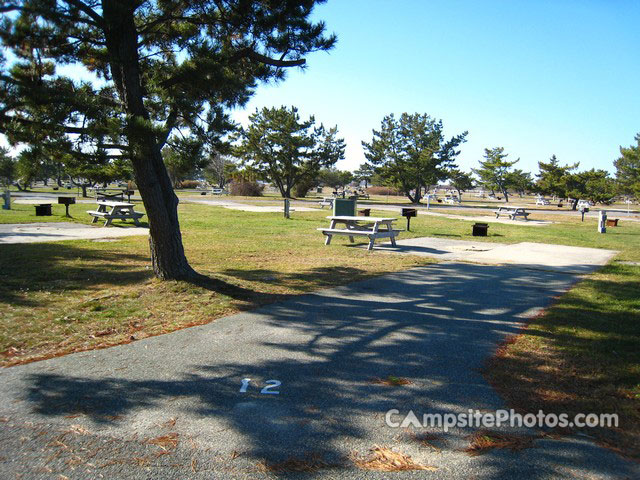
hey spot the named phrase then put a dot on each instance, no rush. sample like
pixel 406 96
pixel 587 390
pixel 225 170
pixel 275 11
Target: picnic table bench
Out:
pixel 369 227
pixel 512 212
pixel 326 202
pixel 118 210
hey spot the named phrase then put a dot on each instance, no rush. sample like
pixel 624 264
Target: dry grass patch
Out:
pixel 484 441
pixel 391 381
pixel 311 463
pixel 427 440
pixel 167 442
pixel 384 459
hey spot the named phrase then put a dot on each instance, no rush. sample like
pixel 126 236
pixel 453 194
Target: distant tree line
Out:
pixel 410 154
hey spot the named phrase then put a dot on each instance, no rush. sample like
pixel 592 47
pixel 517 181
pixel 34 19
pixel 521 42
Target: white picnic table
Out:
pixel 371 227
pixel 512 212
pixel 110 210
pixel 326 202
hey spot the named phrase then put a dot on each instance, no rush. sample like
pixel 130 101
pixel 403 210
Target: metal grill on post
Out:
pixel 409 213
pixel 66 201
pixel 584 210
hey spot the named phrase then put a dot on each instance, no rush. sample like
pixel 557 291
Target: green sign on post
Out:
pixel 344 207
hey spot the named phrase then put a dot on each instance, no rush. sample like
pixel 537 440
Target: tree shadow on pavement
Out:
pixel 433 326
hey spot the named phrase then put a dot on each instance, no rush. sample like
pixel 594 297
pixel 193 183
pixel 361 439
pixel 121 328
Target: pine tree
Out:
pixel 411 153
pixel 287 150
pixel 158 66
pixel 495 169
pixel 628 169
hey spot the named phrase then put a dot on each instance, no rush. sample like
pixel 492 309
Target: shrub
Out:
pixel 189 184
pixel 383 191
pixel 244 188
pixel 302 188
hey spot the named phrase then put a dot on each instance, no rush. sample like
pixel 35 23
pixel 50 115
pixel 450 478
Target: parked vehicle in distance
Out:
pixel 542 201
pixel 219 191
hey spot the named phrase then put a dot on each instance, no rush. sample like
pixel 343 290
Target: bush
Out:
pixel 302 188
pixel 244 188
pixel 131 185
pixel 189 184
pixel 383 191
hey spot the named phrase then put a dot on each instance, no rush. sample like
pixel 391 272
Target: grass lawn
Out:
pixel 581 355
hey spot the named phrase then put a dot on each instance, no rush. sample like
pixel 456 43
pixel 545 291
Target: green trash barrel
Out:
pixel 344 207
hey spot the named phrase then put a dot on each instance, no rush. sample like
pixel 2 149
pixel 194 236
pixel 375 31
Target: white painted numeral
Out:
pixel 271 384
pixel 245 385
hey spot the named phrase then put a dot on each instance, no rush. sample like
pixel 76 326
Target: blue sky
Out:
pixel 536 77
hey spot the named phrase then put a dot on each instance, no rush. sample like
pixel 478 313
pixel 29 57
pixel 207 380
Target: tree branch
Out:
pixel 66 128
pixel 244 53
pixel 87 11
pixel 258 57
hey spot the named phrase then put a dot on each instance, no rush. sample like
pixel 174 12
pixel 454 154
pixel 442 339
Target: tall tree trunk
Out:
pixel 418 195
pixel 152 180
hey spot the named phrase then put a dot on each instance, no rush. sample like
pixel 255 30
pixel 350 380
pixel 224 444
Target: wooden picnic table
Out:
pixel 512 212
pixel 118 210
pixel 370 227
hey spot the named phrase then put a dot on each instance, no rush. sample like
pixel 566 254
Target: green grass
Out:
pixel 581 355
pixel 74 295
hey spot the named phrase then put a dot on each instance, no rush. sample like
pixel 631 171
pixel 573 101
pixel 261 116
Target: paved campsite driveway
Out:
pixel 172 406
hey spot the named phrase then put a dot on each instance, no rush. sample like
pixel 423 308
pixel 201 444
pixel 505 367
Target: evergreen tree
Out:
pixel 364 173
pixel 7 168
pixel 494 171
pixel 460 181
pixel 552 179
pixel 628 170
pixel 520 181
pixel 159 65
pixel 411 153
pixel 593 185
pixel 287 150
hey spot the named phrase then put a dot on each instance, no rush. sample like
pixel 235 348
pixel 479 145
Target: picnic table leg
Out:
pixel 114 211
pixel 392 236
pixel 327 240
pixel 101 208
pixel 129 211
pixel 372 237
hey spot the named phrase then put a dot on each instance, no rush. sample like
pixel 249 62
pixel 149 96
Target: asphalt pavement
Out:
pixel 295 386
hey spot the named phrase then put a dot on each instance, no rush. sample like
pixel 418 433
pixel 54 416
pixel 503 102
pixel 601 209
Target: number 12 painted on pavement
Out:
pixel 267 390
